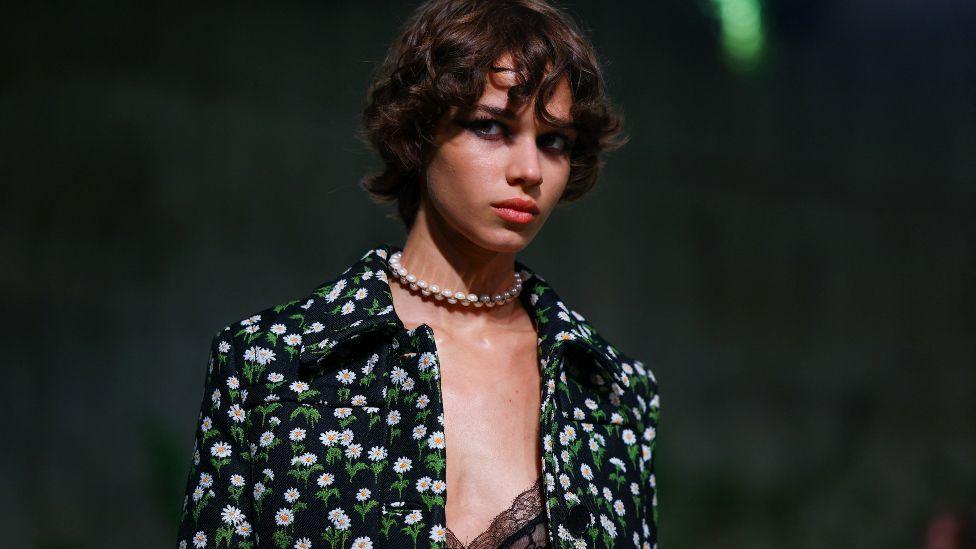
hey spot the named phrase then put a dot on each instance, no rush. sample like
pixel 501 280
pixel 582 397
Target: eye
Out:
pixel 562 143
pixel 482 127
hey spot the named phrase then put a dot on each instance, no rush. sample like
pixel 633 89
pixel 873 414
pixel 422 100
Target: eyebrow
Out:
pixel 508 114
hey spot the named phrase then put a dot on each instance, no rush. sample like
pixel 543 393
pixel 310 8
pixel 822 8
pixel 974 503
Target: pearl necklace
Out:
pixel 408 279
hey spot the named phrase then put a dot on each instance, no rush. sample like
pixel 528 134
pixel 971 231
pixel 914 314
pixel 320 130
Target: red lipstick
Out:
pixel 516 210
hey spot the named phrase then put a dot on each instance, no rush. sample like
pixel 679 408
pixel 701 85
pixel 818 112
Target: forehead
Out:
pixel 502 77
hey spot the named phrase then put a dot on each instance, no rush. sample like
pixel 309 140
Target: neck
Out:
pixel 448 259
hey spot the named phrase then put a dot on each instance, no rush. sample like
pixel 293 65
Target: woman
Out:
pixel 327 421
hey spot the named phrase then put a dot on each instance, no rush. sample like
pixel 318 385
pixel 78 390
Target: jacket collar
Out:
pixel 359 301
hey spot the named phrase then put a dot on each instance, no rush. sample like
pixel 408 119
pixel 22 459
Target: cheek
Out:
pixel 463 173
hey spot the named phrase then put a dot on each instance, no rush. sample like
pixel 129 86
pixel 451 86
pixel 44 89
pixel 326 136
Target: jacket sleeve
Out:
pixel 651 418
pixel 218 488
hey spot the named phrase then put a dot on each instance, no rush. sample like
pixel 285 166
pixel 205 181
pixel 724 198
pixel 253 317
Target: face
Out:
pixel 492 154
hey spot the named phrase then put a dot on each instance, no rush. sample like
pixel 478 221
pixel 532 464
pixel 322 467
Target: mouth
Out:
pixel 516 210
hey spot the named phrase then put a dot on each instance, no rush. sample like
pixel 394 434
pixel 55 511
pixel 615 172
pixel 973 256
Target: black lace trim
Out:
pixel 521 526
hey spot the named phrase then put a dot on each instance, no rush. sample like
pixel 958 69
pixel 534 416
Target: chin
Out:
pixel 505 240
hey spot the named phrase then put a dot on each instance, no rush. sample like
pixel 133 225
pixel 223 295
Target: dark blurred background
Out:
pixel 788 241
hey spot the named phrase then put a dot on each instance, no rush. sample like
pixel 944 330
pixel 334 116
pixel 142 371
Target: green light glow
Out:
pixel 742 31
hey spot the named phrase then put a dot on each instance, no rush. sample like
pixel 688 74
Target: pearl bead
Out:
pixel 485 300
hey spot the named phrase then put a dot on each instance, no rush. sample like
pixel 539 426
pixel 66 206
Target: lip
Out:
pixel 516 210
pixel 518 204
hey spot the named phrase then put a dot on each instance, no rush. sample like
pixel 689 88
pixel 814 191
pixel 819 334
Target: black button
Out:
pixel 578 519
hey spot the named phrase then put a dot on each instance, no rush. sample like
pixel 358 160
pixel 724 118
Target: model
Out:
pixel 441 394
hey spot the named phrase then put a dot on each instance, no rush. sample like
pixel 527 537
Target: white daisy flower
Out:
pixel 376 453
pixel 292 340
pixel 340 519
pixel 397 375
pixel 329 438
pixel 244 529
pixel 325 479
pixel 362 543
pixel 231 515
pixel 206 480
pixel 586 471
pixel 363 494
pixel 353 451
pixel 221 449
pixel 284 517
pixel 436 440
pixel 629 437
pixel 438 533
pixel 236 413
pixel 423 484
pixel 402 465
pixel 608 525
pixel 346 377
pixel 426 360
pixel 414 517
pixel 292 494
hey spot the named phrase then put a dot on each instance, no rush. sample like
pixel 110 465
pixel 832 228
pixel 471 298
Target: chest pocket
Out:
pixel 318 451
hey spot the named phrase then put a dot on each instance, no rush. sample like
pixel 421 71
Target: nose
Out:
pixel 524 167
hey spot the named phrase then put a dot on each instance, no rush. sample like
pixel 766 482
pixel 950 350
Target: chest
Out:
pixel 360 437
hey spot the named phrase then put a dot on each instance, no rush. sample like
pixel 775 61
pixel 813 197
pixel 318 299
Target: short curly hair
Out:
pixel 441 59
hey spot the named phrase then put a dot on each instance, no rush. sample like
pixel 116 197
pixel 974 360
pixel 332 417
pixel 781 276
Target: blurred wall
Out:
pixel 790 248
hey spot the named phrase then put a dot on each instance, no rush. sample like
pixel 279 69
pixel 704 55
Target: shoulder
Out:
pixel 273 340
pixel 634 373
pixel 268 337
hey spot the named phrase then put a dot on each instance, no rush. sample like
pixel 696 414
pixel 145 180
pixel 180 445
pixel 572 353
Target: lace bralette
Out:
pixel 521 526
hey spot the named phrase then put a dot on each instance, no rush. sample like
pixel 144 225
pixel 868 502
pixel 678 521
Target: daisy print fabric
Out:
pixel 322 425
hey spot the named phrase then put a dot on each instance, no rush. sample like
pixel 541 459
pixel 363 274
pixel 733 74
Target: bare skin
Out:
pixel 489 366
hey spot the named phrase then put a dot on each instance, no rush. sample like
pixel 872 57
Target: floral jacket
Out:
pixel 322 426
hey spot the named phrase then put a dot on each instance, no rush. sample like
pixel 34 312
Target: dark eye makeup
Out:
pixel 483 128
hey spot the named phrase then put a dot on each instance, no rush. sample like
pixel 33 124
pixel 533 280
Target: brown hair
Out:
pixel 441 59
